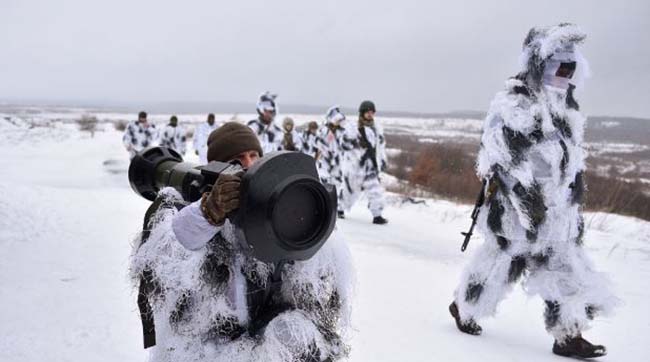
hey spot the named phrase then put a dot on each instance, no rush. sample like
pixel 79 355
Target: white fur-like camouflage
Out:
pixel 200 299
pixel 531 153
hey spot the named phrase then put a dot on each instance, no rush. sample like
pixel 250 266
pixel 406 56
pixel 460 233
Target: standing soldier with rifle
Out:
pixel 364 172
pixel 532 161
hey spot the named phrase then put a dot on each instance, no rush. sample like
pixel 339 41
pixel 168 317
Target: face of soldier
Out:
pixel 267 116
pixel 368 117
pixel 288 127
pixel 210 121
pixel 142 119
pixel 559 69
pixel 247 158
pixel 173 122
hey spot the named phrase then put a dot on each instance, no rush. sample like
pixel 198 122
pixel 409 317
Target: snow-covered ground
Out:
pixel 67 220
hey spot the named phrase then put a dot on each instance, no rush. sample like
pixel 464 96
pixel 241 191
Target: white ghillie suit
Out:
pixel 363 166
pixel 137 137
pixel 206 294
pixel 200 142
pixel 531 153
pixel 174 138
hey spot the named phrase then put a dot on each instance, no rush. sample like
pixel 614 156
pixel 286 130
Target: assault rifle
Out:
pixel 480 200
pixel 371 152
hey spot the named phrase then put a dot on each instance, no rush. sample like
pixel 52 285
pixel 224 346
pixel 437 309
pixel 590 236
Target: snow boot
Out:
pixel 469 327
pixel 341 214
pixel 578 347
pixel 379 220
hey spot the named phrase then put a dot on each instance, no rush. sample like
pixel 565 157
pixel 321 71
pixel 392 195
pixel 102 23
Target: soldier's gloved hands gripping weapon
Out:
pixel 222 199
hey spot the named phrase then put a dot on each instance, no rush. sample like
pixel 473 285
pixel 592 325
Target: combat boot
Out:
pixel 379 220
pixel 469 327
pixel 578 347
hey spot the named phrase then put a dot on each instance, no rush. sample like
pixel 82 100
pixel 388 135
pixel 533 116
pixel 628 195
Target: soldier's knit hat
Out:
pixel 231 139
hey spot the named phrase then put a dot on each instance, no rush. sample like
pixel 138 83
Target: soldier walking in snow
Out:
pixel 368 163
pixel 269 134
pixel 174 137
pixel 139 135
pixel 210 296
pixel 310 140
pixel 332 144
pixel 201 134
pixel 532 161
pixel 291 140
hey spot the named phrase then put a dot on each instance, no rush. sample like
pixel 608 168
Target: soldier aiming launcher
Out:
pixel 285 214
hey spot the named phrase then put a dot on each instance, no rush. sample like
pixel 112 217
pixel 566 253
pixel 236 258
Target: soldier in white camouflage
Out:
pixel 174 136
pixel 368 159
pixel 532 161
pixel 139 135
pixel 332 145
pixel 310 140
pixel 201 133
pixel 269 134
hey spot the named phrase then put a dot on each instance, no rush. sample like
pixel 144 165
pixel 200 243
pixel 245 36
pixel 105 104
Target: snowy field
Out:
pixel 67 220
pixel 446 129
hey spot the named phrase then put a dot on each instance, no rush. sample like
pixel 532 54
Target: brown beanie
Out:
pixel 231 139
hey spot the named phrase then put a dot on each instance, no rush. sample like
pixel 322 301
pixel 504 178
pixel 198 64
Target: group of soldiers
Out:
pixel 532 164
pixel 141 134
pixel 349 155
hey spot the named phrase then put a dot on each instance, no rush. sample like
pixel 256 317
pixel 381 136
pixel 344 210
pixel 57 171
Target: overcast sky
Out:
pixel 409 55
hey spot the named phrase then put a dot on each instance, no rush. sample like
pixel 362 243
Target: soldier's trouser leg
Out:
pixel 573 291
pixel 375 192
pixel 489 277
pixel 349 193
pixel 203 155
pixel 344 195
pixel 335 179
